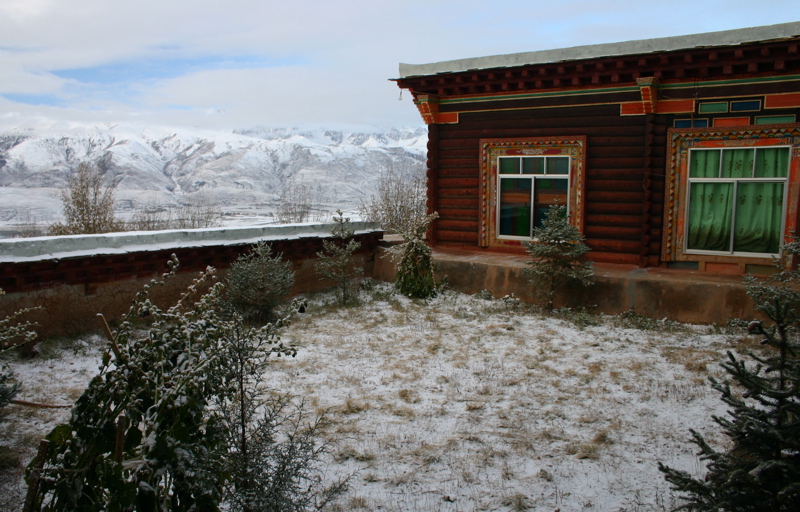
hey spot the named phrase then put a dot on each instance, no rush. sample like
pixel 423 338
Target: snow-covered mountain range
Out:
pixel 244 174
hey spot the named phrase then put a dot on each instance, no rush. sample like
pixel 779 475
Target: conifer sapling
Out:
pixel 760 467
pixel 558 256
pixel 415 272
pixel 335 261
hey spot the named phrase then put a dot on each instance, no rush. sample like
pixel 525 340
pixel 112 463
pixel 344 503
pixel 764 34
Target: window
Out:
pixel 732 194
pixel 736 200
pixel 528 185
pixel 520 179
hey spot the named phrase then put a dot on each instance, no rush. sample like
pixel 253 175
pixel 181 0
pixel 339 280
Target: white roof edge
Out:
pixel 721 38
pixel 16 250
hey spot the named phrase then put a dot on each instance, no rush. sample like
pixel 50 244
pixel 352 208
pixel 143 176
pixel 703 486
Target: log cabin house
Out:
pixel 679 152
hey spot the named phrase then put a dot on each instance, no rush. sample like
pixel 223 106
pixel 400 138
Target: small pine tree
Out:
pixel 88 205
pixel 558 256
pixel 335 261
pixel 760 470
pixel 258 282
pixel 415 273
pixel 274 448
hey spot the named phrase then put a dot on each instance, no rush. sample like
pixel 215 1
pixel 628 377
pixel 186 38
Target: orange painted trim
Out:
pixel 791 99
pixel 675 106
pixel 633 108
pixel 447 118
pixel 638 108
pixel 731 121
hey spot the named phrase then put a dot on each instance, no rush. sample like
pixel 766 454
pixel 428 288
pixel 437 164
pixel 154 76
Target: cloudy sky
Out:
pixel 241 63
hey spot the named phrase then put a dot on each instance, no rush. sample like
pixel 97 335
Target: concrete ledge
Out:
pixel 685 296
pixel 15 250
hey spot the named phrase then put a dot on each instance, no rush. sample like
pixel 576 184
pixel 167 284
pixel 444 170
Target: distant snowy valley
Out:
pixel 243 175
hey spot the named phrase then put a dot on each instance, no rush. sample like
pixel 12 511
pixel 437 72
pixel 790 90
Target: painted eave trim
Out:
pixel 642 46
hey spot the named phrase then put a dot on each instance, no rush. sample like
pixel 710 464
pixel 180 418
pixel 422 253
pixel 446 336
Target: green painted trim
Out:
pixel 736 81
pixel 531 95
pixel 712 107
pixel 612 90
pixel 775 119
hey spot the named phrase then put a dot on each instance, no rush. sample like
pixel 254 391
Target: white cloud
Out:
pixel 343 53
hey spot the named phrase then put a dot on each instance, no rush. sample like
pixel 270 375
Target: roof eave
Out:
pixel 637 47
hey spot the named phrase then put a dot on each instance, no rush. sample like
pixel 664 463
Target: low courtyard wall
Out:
pixel 72 279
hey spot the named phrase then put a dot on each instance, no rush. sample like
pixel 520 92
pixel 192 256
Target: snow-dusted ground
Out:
pixel 462 403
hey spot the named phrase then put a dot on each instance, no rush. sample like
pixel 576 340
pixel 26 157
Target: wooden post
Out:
pixel 36 473
pixel 122 425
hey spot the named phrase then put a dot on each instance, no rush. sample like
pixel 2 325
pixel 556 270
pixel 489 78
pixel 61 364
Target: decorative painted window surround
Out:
pixel 682 142
pixel 492 150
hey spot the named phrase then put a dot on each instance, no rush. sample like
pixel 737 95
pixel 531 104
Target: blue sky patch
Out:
pixel 142 70
pixel 47 100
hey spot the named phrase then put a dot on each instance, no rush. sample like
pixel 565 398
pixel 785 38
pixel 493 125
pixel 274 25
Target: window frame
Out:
pixel 683 142
pixel 492 150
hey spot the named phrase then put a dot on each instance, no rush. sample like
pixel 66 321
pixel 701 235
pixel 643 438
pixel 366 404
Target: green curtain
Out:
pixel 737 163
pixel 710 207
pixel 772 163
pixel 759 208
pixel 705 164
pixel 759 205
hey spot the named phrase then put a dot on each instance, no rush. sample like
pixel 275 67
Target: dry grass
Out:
pixel 466 403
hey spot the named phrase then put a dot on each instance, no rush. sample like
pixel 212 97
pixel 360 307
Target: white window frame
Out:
pixel 534 178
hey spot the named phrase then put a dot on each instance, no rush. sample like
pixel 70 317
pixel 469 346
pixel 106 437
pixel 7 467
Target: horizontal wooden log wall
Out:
pixel 621 226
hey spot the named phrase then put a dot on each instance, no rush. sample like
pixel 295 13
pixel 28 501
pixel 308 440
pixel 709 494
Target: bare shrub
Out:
pixel 297 204
pixel 196 213
pixel 400 200
pixel 88 204
pixel 30 227
pixel 152 216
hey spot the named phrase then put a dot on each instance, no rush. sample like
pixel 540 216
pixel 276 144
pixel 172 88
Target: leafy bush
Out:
pixel 258 282
pixel 335 261
pixel 760 467
pixel 558 256
pixel 415 272
pixel 151 431
pixel 88 205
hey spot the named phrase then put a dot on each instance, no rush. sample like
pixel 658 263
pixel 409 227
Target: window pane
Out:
pixel 704 164
pixel 737 163
pixel 745 105
pixel 548 191
pixel 558 165
pixel 515 206
pixel 533 165
pixel 710 211
pixel 772 162
pixel 509 165
pixel 759 211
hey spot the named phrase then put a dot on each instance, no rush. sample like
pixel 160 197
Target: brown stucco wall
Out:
pixel 69 289
pixel 685 296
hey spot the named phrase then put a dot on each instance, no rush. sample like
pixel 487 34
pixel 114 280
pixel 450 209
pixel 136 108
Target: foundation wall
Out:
pixel 685 296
